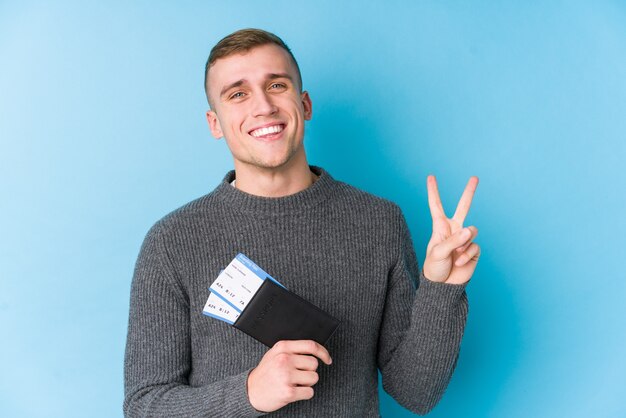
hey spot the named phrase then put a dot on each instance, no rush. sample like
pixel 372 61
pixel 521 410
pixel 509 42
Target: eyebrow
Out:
pixel 232 85
pixel 271 76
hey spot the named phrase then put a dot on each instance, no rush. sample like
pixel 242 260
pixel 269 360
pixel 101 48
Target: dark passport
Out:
pixel 274 313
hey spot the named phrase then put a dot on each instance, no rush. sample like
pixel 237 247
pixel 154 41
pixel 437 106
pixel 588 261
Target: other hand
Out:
pixel 285 374
pixel 451 255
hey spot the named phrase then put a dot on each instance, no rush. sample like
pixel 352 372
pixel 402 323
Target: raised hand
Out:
pixel 451 255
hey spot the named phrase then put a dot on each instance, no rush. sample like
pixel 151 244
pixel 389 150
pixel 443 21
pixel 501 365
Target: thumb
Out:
pixel 443 250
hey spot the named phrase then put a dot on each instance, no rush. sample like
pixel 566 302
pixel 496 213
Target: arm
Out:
pixel 158 351
pixel 418 351
pixel 420 333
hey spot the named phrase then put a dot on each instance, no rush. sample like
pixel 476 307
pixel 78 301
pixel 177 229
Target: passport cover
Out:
pixel 274 313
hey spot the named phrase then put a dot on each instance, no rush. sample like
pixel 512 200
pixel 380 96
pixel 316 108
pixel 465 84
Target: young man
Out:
pixel 342 249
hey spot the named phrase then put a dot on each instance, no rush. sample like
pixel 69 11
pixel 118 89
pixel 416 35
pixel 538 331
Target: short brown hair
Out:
pixel 243 41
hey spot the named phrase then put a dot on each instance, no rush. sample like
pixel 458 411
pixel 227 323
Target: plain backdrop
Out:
pixel 102 132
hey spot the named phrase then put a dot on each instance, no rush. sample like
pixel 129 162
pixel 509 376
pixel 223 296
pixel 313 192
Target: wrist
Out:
pixel 251 394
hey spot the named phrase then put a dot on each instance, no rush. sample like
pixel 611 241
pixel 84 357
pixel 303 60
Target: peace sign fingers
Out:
pixel 466 200
pixel 451 254
pixel 434 201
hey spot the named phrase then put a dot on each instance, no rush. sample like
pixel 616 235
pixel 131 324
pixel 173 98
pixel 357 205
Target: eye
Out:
pixel 278 86
pixel 237 95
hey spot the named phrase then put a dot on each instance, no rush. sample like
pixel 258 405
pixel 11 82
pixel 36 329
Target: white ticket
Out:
pixel 234 288
pixel 219 309
pixel 237 283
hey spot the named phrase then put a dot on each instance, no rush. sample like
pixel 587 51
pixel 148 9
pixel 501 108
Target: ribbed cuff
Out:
pixel 439 295
pixel 238 388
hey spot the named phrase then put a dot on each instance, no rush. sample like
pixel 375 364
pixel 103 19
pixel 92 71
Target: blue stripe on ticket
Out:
pixel 256 269
pixel 221 318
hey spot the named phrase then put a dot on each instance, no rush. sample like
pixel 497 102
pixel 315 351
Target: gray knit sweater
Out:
pixel 344 250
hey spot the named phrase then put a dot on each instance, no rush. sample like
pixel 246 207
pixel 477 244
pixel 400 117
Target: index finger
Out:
pixel 466 200
pixel 304 347
pixel 434 201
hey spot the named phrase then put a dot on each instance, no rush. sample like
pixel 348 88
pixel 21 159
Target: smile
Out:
pixel 267 131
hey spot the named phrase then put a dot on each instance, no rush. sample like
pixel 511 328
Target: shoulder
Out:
pixel 188 217
pixel 376 222
pixel 365 203
pixel 371 214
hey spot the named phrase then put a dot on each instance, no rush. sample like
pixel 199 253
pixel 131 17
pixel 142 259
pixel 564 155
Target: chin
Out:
pixel 274 163
pixel 269 164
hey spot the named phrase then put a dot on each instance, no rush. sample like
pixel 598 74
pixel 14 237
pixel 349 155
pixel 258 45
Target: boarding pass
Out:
pixel 234 288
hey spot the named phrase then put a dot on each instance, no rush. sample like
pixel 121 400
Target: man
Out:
pixel 346 251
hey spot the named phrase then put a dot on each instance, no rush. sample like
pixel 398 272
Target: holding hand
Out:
pixel 285 374
pixel 451 255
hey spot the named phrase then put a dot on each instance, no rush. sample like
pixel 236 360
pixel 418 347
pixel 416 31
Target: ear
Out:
pixel 308 105
pixel 214 124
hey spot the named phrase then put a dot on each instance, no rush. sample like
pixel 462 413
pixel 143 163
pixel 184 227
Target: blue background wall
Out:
pixel 102 132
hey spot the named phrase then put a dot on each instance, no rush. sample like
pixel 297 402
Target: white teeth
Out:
pixel 266 131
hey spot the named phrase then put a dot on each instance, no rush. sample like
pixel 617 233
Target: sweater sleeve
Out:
pixel 158 349
pixel 421 332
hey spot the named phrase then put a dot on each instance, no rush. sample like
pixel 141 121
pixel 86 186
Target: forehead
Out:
pixel 252 65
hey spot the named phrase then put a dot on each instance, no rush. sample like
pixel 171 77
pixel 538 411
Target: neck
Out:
pixel 273 182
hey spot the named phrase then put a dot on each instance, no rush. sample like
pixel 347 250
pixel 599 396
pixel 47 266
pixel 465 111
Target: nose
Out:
pixel 263 105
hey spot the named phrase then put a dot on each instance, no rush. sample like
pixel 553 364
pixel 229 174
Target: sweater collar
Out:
pixel 238 200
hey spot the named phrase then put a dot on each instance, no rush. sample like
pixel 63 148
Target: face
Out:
pixel 258 108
